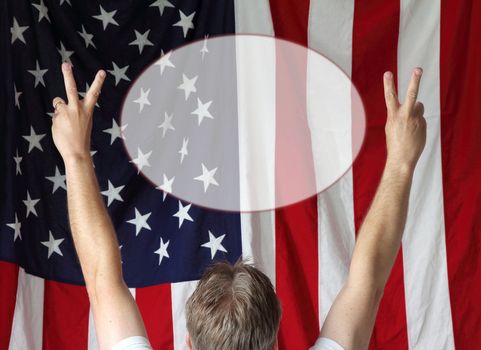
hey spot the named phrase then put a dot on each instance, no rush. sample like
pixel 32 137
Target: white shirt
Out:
pixel 141 343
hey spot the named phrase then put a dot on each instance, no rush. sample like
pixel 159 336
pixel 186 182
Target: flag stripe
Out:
pixel 27 328
pixel 180 293
pixel 374 51
pixel 8 292
pixel 253 16
pixel 460 84
pixel 92 334
pixel 296 225
pixel 428 310
pixel 290 19
pixel 155 305
pixel 330 33
pixel 257 229
pixel 65 317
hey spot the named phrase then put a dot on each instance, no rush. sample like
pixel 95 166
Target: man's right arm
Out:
pixel 351 318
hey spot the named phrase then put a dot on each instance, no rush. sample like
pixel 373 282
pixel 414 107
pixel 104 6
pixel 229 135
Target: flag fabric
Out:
pixel 431 300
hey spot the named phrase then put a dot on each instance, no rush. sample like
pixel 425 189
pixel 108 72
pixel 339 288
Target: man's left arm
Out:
pixel 115 312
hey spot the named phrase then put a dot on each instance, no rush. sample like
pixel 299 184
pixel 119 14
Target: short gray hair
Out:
pixel 233 307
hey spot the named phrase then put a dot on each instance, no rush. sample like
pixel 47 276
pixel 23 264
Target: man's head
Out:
pixel 233 307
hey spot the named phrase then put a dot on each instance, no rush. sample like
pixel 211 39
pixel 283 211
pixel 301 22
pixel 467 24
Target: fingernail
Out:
pixel 65 66
pixel 418 71
pixel 102 74
pixel 388 75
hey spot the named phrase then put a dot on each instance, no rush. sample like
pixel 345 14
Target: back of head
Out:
pixel 233 307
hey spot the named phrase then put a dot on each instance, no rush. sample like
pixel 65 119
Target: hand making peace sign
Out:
pixel 72 121
pixel 405 126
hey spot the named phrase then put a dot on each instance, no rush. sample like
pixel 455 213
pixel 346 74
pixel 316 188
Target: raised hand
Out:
pixel 405 126
pixel 72 121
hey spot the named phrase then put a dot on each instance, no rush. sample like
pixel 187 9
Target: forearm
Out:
pixel 92 230
pixel 380 235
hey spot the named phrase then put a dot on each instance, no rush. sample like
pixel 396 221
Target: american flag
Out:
pixel 431 300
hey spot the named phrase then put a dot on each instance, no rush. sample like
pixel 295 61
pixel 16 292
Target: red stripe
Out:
pixel 290 19
pixel 460 75
pixel 296 225
pixel 65 316
pixel 375 35
pixel 8 294
pixel 155 304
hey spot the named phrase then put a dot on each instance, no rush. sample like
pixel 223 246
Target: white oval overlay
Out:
pixel 243 123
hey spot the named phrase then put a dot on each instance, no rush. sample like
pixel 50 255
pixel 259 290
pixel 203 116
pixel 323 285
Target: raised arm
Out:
pixel 351 319
pixel 115 312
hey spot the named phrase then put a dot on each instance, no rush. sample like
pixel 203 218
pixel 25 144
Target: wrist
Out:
pixel 77 159
pixel 399 167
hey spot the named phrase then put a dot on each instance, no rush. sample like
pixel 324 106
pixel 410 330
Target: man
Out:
pixel 235 307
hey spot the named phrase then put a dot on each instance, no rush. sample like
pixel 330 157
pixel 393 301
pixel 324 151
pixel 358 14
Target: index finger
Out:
pixel 69 81
pixel 94 91
pixel 413 88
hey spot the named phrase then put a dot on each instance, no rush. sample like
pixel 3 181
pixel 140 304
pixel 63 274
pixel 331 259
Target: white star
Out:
pixel 33 140
pixel 207 177
pixel 202 110
pixel 84 93
pixel 167 124
pixel 64 53
pixel 204 48
pixel 67 1
pixel 166 186
pixel 164 61
pixel 214 244
pixel 58 180
pixel 38 74
pixel 119 73
pixel 17 160
pixel 161 4
pixel 87 38
pixel 17 96
pixel 188 85
pixel 140 221
pixel 143 99
pixel 106 17
pixel 120 252
pixel 16 228
pixel 53 245
pixel 113 193
pixel 183 214
pixel 42 11
pixel 141 160
pixel 92 156
pixel 183 151
pixel 116 131
pixel 141 40
pixel 185 22
pixel 162 251
pixel 17 32
pixel 30 204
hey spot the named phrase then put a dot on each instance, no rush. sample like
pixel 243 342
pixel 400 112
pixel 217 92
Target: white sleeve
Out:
pixel 326 344
pixel 133 343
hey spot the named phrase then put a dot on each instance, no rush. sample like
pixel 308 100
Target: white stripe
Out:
pixel 259 241
pixel 428 309
pixel 258 230
pixel 330 33
pixel 92 335
pixel 180 293
pixel 27 328
pixel 253 16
